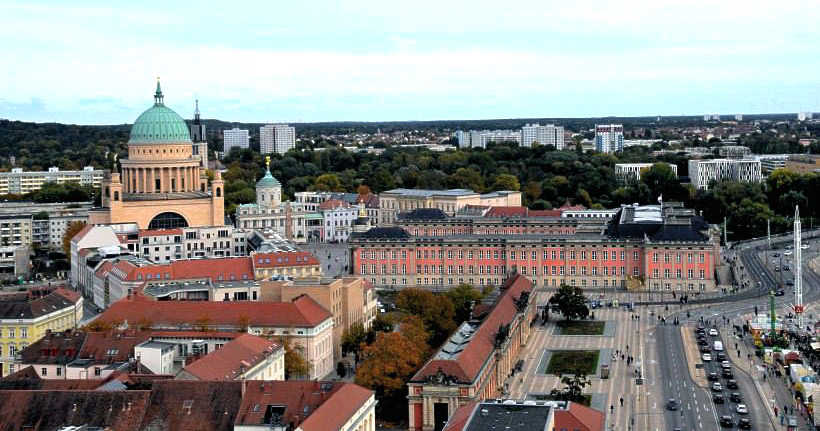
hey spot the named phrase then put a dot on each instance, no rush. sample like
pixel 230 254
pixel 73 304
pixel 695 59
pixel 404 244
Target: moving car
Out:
pixel 744 424
pixel 705 349
pixel 706 357
pixel 725 365
pixel 726 421
pixel 720 357
pixel 713 332
pixel 702 342
pixel 727 374
pixel 731 384
pixel 741 409
pixel 718 399
pixel 735 397
pixel 717 387
pixel 672 404
pixel 712 377
pixel 718 346
pixel 779 292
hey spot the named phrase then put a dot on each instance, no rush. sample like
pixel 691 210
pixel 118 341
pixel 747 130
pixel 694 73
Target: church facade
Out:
pixel 162 184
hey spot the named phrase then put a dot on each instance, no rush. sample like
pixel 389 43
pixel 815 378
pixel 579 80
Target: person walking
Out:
pixel 622 401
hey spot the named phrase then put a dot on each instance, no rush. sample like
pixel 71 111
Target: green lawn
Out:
pixel 573 362
pixel 581 327
pixel 547 397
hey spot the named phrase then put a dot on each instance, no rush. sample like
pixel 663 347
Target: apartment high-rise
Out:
pixel 609 138
pixel 235 137
pixel 548 134
pixel 276 138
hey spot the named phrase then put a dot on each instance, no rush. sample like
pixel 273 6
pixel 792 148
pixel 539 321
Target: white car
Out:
pixel 741 409
pixel 706 357
pixel 713 332
pixel 788 253
pixel 725 365
pixel 804 246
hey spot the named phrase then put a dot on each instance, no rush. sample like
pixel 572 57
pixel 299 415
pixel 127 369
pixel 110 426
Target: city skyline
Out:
pixel 369 61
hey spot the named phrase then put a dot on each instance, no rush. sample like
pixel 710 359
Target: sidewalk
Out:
pixel 773 390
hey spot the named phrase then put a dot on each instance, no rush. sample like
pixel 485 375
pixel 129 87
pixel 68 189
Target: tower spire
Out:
pixel 196 113
pixel 158 97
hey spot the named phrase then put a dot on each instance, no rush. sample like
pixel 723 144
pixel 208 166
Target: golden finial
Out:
pixel 267 162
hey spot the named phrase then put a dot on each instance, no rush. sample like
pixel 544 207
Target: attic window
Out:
pixel 112 352
pixel 256 407
pixel 306 410
pixel 187 404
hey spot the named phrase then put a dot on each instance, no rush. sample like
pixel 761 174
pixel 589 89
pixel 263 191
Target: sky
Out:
pixel 96 62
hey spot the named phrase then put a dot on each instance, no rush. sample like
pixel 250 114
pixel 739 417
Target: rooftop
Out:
pixel 229 361
pixel 24 306
pixel 430 193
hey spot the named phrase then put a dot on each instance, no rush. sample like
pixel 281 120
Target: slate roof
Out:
pixel 192 405
pixel 19 306
pixel 468 363
pixel 661 227
pixel 423 214
pixel 382 233
pixel 58 348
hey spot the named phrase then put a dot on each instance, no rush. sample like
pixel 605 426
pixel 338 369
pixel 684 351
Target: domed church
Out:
pixel 162 184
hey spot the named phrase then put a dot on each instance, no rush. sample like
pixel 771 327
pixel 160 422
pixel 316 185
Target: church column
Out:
pixel 177 177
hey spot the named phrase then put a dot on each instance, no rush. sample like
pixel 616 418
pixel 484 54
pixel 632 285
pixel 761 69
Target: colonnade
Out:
pixel 171 179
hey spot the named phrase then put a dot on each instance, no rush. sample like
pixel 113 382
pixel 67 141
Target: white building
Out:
pixel 734 151
pixel 18 182
pixel 481 138
pixel 276 138
pixel 632 171
pixel 548 134
pixel 235 138
pixel 703 172
pixel 770 162
pixel 738 117
pixel 609 138
pixel 339 218
pixel 803 116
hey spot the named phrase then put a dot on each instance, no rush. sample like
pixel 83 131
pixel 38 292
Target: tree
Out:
pixel 73 229
pixel 363 190
pixel 295 363
pixel 463 296
pixel 506 182
pixel 412 328
pixel 352 340
pixel 573 388
pixel 327 183
pixel 382 323
pixel 436 311
pixel 386 366
pixel 571 302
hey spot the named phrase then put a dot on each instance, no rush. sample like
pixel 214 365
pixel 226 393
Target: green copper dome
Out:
pixel 159 124
pixel 268 181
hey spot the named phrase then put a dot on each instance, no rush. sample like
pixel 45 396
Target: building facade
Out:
pixel 609 138
pixel 641 247
pixel 27 316
pixel 162 184
pixel 703 172
pixel 548 134
pixel 235 138
pixel 627 172
pixel 18 182
pixel 276 138
pixel 395 201
pixel 474 362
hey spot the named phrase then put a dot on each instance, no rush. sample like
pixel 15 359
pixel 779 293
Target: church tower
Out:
pixel 200 147
pixel 268 189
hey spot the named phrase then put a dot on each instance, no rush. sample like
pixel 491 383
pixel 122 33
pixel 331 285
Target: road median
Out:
pixel 693 357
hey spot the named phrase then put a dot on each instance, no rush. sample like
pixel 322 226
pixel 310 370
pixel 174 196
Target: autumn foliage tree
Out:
pixel 436 311
pixel 295 363
pixel 73 229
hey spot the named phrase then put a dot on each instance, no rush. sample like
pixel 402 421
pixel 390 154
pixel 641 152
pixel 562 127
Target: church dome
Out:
pixel 159 124
pixel 268 181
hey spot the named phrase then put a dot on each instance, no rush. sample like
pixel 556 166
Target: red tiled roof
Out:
pixel 520 211
pixel 332 204
pixel 338 409
pixel 459 420
pixel 238 267
pixel 84 252
pixel 579 417
pixel 53 409
pixel 228 362
pixel 545 213
pixel 303 312
pixel 283 259
pixel 193 334
pixel 190 405
pixel 318 398
pixel 104 268
pixel 114 346
pixel 159 232
pixel 569 207
pixel 71 295
pixel 467 365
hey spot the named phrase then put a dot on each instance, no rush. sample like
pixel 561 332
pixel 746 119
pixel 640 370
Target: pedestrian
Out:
pixel 627 347
pixel 622 401
pixel 612 409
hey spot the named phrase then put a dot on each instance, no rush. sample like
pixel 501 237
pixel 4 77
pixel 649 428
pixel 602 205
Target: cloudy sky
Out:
pixel 95 62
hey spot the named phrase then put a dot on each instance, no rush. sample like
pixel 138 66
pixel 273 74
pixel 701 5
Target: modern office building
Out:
pixel 804 116
pixel 632 171
pixel 276 138
pixel 734 151
pixel 548 134
pixel 162 184
pixel 18 182
pixel 199 138
pixel 609 138
pixel 235 137
pixel 770 162
pixel 704 172
pixel 481 138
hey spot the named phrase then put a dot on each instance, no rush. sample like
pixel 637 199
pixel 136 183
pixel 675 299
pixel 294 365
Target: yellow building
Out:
pixel 26 316
pixel 162 184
